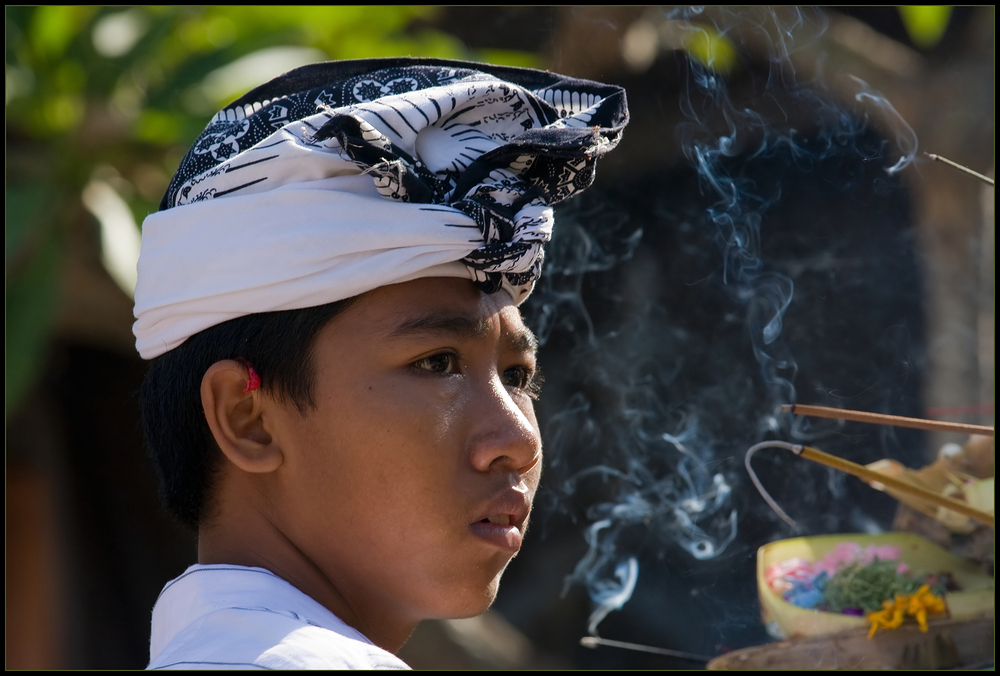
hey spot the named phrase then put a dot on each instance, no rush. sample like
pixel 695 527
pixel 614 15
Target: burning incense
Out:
pixel 981 177
pixel 883 419
pixel 594 641
pixel 864 473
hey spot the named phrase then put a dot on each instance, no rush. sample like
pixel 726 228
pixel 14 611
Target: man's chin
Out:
pixel 475 603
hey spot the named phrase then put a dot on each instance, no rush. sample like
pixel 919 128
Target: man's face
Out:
pixel 422 444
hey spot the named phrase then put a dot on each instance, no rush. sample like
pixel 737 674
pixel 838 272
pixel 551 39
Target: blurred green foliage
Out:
pixel 925 24
pixel 122 92
pixel 711 48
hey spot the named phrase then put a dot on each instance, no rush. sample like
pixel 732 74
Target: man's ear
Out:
pixel 236 418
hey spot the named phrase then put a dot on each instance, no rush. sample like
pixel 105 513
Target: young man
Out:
pixel 340 397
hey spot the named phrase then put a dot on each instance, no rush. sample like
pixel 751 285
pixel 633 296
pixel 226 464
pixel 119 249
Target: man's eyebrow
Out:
pixel 523 341
pixel 459 325
pixel 463 326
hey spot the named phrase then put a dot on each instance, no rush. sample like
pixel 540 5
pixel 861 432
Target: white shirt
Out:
pixel 235 617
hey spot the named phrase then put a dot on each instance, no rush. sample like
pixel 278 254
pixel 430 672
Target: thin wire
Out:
pixel 794 448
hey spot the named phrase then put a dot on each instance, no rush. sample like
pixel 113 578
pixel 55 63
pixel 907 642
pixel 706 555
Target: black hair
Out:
pixel 185 455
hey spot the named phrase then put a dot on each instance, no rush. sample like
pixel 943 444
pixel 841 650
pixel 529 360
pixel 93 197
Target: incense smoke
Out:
pixel 630 444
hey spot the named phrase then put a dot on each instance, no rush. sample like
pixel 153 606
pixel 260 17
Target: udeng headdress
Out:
pixel 338 178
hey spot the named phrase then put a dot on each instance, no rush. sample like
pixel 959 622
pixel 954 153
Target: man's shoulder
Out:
pixel 248 638
pixel 234 617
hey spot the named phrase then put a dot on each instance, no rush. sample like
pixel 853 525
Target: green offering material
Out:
pixel 867 586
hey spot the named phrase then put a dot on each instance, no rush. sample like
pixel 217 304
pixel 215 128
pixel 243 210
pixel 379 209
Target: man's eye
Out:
pixel 516 376
pixel 444 362
pixel 524 379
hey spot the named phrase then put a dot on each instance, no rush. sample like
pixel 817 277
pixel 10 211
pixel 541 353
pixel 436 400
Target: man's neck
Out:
pixel 239 532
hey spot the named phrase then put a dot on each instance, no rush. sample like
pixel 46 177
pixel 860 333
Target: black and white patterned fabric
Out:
pixel 340 177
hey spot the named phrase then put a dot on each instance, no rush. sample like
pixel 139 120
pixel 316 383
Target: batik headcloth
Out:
pixel 338 178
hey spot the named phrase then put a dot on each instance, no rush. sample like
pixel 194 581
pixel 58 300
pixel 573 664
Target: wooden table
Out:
pixel 948 644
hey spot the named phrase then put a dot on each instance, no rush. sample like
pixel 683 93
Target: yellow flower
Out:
pixel 919 604
pixel 923 602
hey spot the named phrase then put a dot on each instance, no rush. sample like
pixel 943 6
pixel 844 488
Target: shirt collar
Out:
pixel 203 589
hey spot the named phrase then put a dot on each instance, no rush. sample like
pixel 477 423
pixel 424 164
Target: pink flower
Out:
pixel 779 575
pixel 885 552
pixel 843 554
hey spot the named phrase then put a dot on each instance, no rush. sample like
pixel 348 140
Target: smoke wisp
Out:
pixel 644 453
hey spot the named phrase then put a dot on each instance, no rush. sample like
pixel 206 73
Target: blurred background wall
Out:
pixel 893 307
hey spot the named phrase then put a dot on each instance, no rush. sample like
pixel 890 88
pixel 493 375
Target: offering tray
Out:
pixel 784 620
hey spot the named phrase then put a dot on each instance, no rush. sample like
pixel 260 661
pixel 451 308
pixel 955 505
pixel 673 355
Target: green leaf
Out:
pixel 53 28
pixel 157 126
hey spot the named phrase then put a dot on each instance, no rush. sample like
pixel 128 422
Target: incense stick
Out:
pixel 866 474
pixel 981 177
pixel 883 419
pixel 906 487
pixel 594 641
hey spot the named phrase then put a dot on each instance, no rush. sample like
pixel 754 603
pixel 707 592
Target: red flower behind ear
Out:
pixel 253 381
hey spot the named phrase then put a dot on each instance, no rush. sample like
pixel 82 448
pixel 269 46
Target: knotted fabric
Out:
pixel 338 178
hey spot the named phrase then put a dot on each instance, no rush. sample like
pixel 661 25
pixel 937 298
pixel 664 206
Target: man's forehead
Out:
pixel 448 306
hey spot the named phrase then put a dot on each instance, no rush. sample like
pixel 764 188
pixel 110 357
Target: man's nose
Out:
pixel 505 437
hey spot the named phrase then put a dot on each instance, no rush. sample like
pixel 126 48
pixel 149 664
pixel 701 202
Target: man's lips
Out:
pixel 502 522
